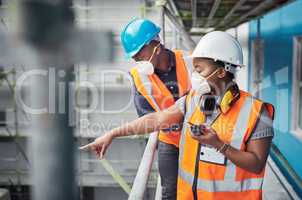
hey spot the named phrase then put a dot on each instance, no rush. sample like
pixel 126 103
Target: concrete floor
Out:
pixel 275 185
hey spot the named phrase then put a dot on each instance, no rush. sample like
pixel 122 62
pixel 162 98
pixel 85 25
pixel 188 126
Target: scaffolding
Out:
pixel 8 84
pixel 12 130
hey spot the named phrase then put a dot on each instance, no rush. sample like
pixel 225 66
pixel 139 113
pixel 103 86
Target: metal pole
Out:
pixel 45 26
pixel 230 13
pixel 162 23
pixel 212 12
pixel 175 11
pixel 189 43
pixel 161 4
pixel 257 61
pixel 194 12
pixel 174 35
pixel 116 176
pixel 254 12
pixel 141 178
pixel 53 149
pixel 158 192
pixel 258 28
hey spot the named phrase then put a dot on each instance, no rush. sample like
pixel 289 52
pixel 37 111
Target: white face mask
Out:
pixel 200 83
pixel 146 67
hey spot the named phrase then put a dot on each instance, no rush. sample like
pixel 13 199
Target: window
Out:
pixel 297 87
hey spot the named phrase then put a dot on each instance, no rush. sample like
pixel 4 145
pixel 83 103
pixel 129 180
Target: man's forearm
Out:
pixel 146 124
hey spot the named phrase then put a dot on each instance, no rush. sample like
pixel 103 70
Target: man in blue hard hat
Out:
pixel 160 78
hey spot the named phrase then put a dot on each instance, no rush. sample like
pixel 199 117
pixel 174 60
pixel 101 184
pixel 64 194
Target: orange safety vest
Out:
pixel 208 181
pixel 158 95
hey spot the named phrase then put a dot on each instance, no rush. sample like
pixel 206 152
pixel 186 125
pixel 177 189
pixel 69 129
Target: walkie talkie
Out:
pixel 172 128
pixel 197 129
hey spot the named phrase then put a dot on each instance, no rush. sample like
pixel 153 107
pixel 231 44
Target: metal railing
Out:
pixel 142 176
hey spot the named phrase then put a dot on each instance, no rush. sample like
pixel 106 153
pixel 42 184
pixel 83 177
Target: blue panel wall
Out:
pixel 278 29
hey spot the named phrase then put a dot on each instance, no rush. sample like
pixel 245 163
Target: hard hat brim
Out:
pixel 215 59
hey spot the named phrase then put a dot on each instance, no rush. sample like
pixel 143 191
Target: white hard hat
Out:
pixel 219 45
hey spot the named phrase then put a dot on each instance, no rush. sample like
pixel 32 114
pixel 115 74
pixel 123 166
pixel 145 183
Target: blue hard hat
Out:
pixel 136 34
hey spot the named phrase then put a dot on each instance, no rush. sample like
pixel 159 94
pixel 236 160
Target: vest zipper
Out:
pixel 194 186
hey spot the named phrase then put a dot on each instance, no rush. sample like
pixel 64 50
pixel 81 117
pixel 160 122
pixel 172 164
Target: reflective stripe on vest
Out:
pixel 229 183
pixel 190 103
pixel 147 85
pixel 144 83
pixel 222 186
pixel 158 95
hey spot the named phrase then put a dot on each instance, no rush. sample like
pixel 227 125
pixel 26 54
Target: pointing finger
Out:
pixel 86 147
pixel 102 152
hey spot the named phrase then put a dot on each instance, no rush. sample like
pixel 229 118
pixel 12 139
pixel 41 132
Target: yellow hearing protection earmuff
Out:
pixel 226 101
pixel 230 96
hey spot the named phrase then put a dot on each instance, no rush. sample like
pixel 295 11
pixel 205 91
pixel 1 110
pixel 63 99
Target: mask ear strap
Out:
pixel 214 72
pixel 154 50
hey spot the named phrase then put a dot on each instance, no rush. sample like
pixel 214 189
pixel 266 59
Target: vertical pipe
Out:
pixel 53 152
pixel 174 35
pixel 161 4
pixel 258 28
pixel 162 23
pixel 259 54
pixel 194 12
pixel 177 40
pixel 45 26
pixel 258 61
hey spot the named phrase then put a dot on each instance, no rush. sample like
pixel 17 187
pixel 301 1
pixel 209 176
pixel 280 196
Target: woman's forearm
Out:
pixel 245 160
pixel 253 159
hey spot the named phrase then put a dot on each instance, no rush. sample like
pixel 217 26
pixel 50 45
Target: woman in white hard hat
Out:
pixel 226 133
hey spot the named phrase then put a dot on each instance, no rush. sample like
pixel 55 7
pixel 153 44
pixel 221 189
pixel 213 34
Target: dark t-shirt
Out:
pixel 168 78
